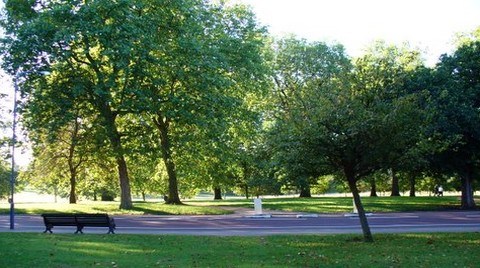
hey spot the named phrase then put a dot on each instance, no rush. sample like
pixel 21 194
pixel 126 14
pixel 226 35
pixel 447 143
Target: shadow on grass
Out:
pixel 389 250
pixel 371 204
pixel 112 208
pixel 217 207
pixel 151 208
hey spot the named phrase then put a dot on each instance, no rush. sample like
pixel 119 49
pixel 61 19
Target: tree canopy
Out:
pixel 193 69
pixel 174 97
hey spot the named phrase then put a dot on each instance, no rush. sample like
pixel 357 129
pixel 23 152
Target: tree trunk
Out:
pixel 246 174
pixel 412 186
pixel 71 166
pixel 125 194
pixel 102 103
pixel 73 183
pixel 305 191
pixel 55 192
pixel 217 193
pixel 395 185
pixel 352 183
pixel 109 118
pixel 373 189
pixel 163 125
pixel 468 201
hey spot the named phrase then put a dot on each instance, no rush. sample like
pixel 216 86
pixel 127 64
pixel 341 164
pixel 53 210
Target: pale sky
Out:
pixel 430 25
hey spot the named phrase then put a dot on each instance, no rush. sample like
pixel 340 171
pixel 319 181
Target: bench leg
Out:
pixel 48 228
pixel 111 226
pixel 79 230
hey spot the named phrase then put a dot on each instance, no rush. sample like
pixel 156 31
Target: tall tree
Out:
pixel 354 120
pixel 192 68
pixel 5 174
pixel 90 49
pixel 457 98
pixel 61 156
pixel 210 59
pixel 300 68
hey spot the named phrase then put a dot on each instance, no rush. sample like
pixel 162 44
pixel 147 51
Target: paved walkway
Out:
pixel 246 222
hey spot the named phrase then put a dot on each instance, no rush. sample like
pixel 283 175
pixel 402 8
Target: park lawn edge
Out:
pixel 321 205
pixel 339 250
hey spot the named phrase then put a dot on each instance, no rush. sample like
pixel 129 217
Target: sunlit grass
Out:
pixel 140 208
pixel 206 207
pixel 345 204
pixel 388 250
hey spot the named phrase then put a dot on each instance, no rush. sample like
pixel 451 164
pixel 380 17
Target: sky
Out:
pixel 430 25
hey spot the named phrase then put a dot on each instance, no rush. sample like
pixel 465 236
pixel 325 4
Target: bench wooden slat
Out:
pixel 80 220
pixel 51 220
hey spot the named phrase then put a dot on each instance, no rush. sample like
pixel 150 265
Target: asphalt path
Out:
pixel 248 224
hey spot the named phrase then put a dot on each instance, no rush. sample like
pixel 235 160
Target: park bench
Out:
pixel 79 220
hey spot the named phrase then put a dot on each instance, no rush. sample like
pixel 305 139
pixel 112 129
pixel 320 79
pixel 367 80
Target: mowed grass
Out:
pixel 122 250
pixel 345 204
pixel 371 204
pixel 139 208
pixel 388 250
pixel 202 207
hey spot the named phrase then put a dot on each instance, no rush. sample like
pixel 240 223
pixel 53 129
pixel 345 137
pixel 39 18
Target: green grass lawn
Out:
pixel 140 208
pixel 389 250
pixel 197 207
pixel 345 204
pixel 371 204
